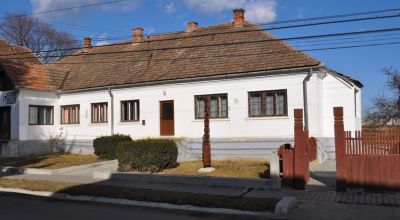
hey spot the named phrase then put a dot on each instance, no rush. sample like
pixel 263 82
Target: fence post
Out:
pixel 339 148
pixel 300 156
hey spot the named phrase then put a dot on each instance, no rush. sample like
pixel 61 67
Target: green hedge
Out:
pixel 105 146
pixel 147 155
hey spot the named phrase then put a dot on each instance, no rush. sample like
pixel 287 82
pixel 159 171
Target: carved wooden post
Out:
pixel 300 157
pixel 339 148
pixel 206 136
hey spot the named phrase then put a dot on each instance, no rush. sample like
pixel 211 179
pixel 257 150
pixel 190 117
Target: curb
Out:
pixel 285 205
pixel 190 180
pixel 19 170
pixel 137 203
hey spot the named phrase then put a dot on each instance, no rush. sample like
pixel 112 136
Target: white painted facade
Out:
pixel 324 90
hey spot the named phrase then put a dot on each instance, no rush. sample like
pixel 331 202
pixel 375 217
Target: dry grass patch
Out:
pixel 35 185
pixel 53 161
pixel 240 168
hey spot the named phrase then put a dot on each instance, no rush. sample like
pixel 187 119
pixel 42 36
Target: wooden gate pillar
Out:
pixel 339 148
pixel 300 152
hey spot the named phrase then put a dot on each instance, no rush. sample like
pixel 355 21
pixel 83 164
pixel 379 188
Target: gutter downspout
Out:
pixel 112 110
pixel 305 99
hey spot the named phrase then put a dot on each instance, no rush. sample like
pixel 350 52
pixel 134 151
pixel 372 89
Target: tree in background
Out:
pixel 386 107
pixel 44 40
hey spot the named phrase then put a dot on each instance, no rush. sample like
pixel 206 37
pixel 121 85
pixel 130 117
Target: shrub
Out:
pixel 147 155
pixel 105 146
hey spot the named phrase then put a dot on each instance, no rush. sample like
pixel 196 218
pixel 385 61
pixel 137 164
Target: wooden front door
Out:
pixel 167 125
pixel 5 123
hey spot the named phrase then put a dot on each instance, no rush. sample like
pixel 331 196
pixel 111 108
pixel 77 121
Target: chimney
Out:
pixel 87 42
pixel 238 16
pixel 137 34
pixel 192 25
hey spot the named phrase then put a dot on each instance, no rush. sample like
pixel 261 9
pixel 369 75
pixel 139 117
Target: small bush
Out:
pixel 105 146
pixel 147 155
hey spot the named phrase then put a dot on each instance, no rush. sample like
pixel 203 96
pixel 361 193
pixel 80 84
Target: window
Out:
pixel 130 110
pixel 40 115
pixel 70 114
pixel 268 103
pixel 99 112
pixel 218 105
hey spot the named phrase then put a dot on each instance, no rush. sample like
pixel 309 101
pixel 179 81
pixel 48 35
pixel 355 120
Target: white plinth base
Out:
pixel 206 170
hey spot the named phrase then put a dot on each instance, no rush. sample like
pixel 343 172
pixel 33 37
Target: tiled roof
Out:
pixel 147 61
pixel 21 54
pixel 28 76
pixel 24 69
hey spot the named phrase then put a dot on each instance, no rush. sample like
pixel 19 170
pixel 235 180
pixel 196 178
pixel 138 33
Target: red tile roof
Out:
pixel 25 70
pixel 198 53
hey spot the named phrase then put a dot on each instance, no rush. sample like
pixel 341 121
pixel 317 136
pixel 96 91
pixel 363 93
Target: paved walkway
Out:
pixel 323 176
pixel 322 189
pixel 88 169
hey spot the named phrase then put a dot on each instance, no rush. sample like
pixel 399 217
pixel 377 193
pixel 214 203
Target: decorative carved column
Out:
pixel 206 136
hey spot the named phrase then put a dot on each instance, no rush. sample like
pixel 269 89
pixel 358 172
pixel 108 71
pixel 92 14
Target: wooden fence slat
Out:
pixel 372 159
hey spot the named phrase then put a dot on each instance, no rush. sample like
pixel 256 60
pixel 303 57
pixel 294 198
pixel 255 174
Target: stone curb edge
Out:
pixel 137 203
pixel 272 184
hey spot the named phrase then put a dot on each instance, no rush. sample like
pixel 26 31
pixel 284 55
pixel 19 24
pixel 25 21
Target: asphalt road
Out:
pixel 18 206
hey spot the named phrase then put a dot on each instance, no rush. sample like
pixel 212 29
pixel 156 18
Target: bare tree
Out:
pixel 44 40
pixel 386 107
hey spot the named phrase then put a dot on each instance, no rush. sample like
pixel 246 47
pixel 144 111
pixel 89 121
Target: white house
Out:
pixel 156 86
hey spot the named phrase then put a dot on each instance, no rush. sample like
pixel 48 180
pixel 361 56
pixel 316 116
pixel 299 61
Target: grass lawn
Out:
pixel 53 161
pixel 225 168
pixel 179 198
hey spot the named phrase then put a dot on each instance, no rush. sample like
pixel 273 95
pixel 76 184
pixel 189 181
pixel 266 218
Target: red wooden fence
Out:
pixel 295 161
pixel 367 159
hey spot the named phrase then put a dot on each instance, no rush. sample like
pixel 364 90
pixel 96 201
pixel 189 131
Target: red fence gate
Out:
pixel 295 161
pixel 369 159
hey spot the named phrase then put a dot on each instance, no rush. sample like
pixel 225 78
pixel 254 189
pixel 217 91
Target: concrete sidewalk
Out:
pixel 88 169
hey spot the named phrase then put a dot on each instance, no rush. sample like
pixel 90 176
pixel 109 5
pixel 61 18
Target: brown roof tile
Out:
pixel 150 61
pixel 25 70
pixel 28 76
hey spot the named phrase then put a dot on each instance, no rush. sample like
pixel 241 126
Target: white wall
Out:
pixel 323 95
pixel 237 126
pixel 36 132
pixel 315 102
pixel 338 93
pixel 85 130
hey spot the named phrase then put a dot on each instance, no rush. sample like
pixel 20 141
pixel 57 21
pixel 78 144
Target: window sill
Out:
pixel 267 118
pixel 70 125
pixel 212 119
pixel 98 124
pixel 129 123
pixel 40 124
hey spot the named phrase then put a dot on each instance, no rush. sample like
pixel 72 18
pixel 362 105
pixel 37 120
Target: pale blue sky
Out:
pixel 157 16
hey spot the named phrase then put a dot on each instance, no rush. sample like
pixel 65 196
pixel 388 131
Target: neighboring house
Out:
pixel 156 87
